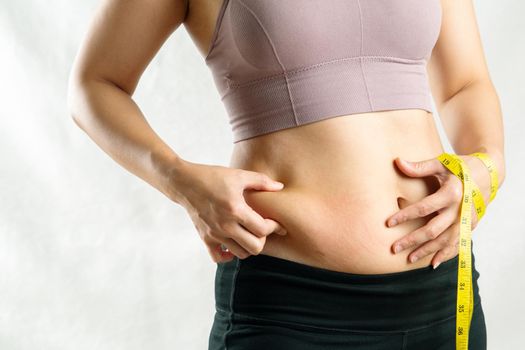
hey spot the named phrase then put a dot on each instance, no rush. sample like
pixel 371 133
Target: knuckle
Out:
pixel 263 178
pixel 211 233
pixel 445 240
pixel 225 226
pixel 267 179
pixel 431 232
pixel 456 192
pixel 207 231
pixel 423 209
pixel 234 208
pixel 206 238
pixel 410 240
pixel 423 251
pixel 401 216
pixel 257 249
pixel 259 231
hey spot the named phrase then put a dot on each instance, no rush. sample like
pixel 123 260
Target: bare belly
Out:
pixel 340 186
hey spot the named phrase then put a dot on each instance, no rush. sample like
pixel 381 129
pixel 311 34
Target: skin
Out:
pixel 340 193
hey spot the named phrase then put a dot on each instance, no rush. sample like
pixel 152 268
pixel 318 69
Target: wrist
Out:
pixel 479 175
pixel 499 162
pixel 497 158
pixel 178 181
pixel 173 174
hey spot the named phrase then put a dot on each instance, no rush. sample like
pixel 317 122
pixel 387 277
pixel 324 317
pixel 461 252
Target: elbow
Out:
pixel 75 97
pixel 72 97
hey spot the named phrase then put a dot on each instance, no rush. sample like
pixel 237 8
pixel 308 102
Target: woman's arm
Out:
pixel 123 37
pixel 466 100
pixel 469 109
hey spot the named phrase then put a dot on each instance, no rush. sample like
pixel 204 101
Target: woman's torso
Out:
pixel 341 183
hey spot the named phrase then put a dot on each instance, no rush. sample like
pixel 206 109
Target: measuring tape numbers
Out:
pixel 471 196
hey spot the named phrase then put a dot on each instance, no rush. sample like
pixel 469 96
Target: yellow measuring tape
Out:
pixel 471 194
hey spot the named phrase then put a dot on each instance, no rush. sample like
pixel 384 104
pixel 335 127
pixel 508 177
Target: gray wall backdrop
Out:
pixel 91 257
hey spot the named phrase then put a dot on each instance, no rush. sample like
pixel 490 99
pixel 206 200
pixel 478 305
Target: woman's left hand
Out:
pixel 440 235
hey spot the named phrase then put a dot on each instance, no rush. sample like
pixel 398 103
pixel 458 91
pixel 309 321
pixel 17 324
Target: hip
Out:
pixel 280 304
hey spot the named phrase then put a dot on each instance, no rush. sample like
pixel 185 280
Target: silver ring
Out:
pixel 224 248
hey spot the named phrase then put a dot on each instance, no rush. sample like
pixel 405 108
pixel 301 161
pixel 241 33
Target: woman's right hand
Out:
pixel 213 197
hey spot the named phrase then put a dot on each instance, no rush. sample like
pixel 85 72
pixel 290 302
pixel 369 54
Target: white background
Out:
pixel 92 257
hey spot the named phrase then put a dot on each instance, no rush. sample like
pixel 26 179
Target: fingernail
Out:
pixel 397 248
pixel 283 232
pixel 436 265
pixel 413 258
pixel 279 184
pixel 393 222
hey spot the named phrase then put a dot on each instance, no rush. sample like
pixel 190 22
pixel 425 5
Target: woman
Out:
pixel 327 98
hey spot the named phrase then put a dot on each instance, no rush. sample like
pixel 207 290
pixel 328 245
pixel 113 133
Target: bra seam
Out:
pixel 361 56
pixel 284 73
pixel 218 24
pixel 395 59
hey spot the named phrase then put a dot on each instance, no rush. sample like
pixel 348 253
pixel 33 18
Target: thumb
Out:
pixel 421 168
pixel 262 182
pixel 277 228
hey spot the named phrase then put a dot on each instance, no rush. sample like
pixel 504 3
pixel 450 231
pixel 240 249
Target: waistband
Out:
pixel 264 287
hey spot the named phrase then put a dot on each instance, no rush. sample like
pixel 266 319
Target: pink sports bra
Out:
pixel 280 64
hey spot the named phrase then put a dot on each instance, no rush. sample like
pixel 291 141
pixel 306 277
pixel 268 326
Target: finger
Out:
pixel 235 248
pixel 260 181
pixel 446 253
pixel 252 244
pixel 253 222
pixel 421 168
pixel 276 227
pixel 424 207
pixel 224 254
pixel 215 242
pixel 217 254
pixel 432 229
pixel 445 239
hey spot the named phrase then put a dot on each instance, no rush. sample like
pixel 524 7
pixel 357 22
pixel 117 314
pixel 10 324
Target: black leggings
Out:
pixel 264 302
